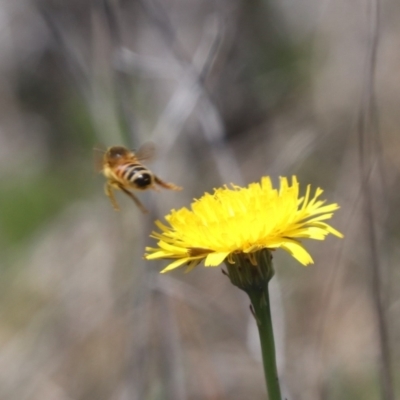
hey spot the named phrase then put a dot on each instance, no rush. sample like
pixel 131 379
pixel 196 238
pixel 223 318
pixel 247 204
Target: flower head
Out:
pixel 243 220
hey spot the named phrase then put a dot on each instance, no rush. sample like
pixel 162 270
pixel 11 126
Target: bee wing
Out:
pixel 98 154
pixel 146 152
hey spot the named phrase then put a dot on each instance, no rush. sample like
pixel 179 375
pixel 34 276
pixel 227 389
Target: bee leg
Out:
pixel 135 199
pixel 166 185
pixel 109 192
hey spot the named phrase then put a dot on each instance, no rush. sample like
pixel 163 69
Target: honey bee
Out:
pixel 124 171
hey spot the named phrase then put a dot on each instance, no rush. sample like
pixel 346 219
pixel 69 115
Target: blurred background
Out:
pixel 228 91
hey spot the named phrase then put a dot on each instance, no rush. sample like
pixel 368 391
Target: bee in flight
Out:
pixel 124 171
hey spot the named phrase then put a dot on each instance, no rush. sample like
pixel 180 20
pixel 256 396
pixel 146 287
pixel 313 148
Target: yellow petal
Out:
pixel 175 264
pixel 214 259
pixel 298 252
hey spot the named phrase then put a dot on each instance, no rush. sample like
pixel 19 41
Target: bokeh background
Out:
pixel 228 91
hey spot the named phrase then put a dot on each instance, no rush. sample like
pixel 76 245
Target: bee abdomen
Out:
pixel 138 175
pixel 131 169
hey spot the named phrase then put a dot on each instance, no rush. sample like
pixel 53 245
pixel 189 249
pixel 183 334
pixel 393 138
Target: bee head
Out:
pixel 116 154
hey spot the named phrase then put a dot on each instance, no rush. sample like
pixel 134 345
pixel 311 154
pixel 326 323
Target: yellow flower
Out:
pixel 243 220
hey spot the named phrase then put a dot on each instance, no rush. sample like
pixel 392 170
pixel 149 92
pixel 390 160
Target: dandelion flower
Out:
pixel 237 220
pixel 240 227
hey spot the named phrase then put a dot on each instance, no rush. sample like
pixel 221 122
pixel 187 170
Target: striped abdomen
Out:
pixel 136 174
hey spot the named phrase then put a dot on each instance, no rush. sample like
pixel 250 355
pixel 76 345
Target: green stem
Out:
pixel 262 312
pixel 252 273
